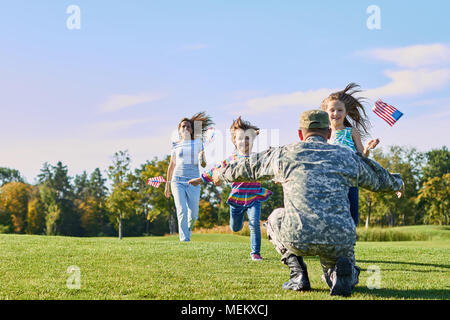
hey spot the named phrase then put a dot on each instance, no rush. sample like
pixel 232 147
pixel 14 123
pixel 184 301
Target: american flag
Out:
pixel 155 181
pixel 386 112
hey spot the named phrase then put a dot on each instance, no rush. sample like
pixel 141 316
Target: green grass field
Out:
pixel 211 266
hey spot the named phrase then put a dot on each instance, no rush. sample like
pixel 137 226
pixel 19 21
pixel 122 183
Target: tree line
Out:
pixel 119 202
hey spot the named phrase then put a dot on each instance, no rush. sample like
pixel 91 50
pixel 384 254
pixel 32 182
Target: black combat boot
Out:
pixel 342 282
pixel 299 280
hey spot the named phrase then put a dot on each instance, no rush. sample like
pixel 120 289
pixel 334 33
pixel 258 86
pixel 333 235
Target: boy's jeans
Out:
pixel 187 199
pixel 237 222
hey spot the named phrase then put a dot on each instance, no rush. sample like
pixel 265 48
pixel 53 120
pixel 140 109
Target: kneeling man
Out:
pixel 315 220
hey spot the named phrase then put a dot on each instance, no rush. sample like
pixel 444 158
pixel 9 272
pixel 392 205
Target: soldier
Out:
pixel 316 216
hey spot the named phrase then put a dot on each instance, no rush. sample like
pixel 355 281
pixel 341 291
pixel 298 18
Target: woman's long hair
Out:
pixel 200 122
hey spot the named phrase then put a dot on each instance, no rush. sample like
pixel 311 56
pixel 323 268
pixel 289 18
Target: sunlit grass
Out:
pixel 211 266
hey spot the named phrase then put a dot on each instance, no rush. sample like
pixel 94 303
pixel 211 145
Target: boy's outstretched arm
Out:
pixel 207 176
pixel 261 166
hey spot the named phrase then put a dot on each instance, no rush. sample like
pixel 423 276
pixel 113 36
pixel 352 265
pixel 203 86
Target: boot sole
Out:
pixel 295 287
pixel 343 283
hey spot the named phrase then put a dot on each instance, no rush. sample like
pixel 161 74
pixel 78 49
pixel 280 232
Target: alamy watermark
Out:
pixel 74 280
pixel 73 22
pixel 222 146
pixel 374 20
pixel 374 279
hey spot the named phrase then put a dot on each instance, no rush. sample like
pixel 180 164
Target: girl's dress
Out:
pixel 244 197
pixel 343 137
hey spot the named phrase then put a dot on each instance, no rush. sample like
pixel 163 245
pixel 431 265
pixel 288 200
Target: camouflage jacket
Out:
pixel 315 177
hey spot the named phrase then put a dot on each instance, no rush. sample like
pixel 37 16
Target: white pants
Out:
pixel 187 199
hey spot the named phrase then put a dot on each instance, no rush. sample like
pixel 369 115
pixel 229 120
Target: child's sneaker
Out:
pixel 256 257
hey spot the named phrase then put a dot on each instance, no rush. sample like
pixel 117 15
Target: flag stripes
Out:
pixel 386 112
pixel 155 181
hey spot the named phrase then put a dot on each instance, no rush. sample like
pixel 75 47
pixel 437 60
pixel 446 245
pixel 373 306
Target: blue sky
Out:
pixel 135 68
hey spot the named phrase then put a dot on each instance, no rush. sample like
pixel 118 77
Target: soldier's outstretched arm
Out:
pixel 374 177
pixel 261 166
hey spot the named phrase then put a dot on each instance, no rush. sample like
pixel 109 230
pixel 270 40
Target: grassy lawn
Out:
pixel 407 233
pixel 212 266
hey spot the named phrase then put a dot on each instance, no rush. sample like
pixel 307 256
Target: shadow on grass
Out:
pixel 386 293
pixel 445 266
pixel 440 294
pixel 391 293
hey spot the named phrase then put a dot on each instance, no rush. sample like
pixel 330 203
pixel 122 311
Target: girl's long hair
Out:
pixel 200 121
pixel 354 107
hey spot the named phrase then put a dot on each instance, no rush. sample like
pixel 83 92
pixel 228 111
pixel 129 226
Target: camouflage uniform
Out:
pixel 316 177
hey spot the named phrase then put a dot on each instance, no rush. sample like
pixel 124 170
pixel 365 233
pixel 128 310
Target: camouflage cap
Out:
pixel 314 119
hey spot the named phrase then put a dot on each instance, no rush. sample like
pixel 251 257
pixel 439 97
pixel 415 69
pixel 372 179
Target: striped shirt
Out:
pixel 242 193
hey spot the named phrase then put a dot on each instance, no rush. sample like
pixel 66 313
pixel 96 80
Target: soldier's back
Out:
pixel 316 177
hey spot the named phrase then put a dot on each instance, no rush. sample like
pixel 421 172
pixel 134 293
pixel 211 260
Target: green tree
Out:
pixel 36 213
pixel 9 175
pixel 81 185
pixel 57 178
pixel 14 197
pixel 435 194
pixel 90 197
pixel 386 208
pixel 58 197
pixel 5 219
pixel 159 211
pixel 123 199
pixel 51 207
pixel 207 215
pixel 437 163
pixel 51 219
pixel 91 217
pixel 98 190
pixel 209 206
pixel 97 185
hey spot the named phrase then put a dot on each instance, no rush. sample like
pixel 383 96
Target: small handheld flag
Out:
pixel 386 112
pixel 209 135
pixel 155 181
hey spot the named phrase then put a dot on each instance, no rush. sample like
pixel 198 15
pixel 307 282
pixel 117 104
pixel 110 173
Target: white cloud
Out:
pixel 434 102
pixel 413 56
pixel 410 83
pixel 422 75
pixel 403 83
pixel 121 101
